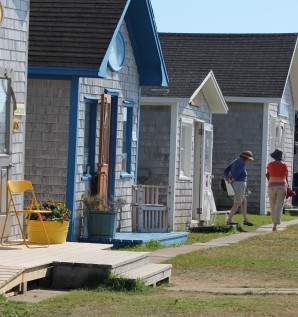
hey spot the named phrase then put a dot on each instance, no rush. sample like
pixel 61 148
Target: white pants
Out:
pixel 277 196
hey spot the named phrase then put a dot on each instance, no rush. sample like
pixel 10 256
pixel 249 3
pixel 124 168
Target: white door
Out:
pixel 5 141
pixel 202 192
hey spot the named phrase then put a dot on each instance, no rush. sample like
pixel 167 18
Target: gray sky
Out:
pixel 226 16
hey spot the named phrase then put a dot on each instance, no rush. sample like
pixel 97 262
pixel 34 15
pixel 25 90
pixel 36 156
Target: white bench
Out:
pixel 215 213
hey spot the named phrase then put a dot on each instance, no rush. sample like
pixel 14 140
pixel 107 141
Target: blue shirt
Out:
pixel 237 170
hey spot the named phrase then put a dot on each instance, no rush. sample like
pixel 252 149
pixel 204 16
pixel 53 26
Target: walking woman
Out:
pixel 277 175
pixel 236 174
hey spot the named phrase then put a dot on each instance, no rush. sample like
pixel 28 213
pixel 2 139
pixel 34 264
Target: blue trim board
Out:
pixel 113 146
pixel 112 92
pixel 104 65
pixel 145 42
pixel 72 153
pixel 123 239
pixel 62 71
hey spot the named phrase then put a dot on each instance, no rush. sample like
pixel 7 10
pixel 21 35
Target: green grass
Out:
pixel 159 303
pixel 262 261
pixel 203 237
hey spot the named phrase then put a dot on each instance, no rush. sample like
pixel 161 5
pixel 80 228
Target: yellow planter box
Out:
pixel 57 231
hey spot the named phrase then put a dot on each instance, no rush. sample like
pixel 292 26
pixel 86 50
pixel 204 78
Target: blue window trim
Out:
pixel 129 104
pixel 93 119
pixel 114 68
pixel 113 142
pixel 112 92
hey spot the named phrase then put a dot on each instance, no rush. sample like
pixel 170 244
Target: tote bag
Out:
pixel 230 190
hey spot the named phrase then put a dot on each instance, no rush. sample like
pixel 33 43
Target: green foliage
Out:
pixel 59 210
pixel 100 203
pixel 117 283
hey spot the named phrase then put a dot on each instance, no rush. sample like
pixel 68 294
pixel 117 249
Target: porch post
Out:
pixel 173 164
pixel 72 153
pixel 265 137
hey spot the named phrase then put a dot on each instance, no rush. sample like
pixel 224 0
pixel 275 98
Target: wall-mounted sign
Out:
pixel 20 111
pixel 1 13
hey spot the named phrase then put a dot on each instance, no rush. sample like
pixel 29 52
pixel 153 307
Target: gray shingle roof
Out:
pixel 72 33
pixel 245 65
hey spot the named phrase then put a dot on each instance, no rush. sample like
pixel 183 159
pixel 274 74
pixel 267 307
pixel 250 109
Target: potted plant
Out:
pixel 101 215
pixel 56 223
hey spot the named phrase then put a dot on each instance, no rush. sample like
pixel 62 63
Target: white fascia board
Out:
pixel 252 99
pixel 155 101
pixel 293 76
pixel 212 93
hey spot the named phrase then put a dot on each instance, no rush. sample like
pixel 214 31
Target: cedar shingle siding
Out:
pixel 245 65
pixel 72 33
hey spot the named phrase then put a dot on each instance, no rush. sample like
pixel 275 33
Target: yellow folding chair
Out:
pixel 19 187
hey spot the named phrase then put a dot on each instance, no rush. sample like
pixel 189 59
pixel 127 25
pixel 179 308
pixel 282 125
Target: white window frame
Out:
pixel 281 136
pixel 272 135
pixel 283 109
pixel 185 164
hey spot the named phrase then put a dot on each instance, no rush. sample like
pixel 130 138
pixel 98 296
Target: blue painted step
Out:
pixel 133 238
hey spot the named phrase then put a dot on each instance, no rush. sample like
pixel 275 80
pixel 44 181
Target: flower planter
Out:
pixel 57 231
pixel 102 224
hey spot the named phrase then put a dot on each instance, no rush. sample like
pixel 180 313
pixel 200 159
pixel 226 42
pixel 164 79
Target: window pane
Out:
pixel 182 149
pixel 208 147
pixel 124 139
pixel 3 116
pixel 87 138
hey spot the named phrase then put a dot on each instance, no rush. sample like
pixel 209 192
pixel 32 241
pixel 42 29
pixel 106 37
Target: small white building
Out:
pixel 176 144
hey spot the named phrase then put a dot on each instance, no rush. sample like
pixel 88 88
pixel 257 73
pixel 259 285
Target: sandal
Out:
pixel 274 229
pixel 247 223
pixel 231 223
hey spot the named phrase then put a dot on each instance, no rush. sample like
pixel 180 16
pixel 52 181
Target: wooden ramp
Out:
pixel 10 278
pixel 72 265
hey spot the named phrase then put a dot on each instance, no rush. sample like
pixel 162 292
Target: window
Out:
pixel 281 136
pixel 127 125
pixel 89 137
pixel 185 149
pixel 273 133
pixel 284 110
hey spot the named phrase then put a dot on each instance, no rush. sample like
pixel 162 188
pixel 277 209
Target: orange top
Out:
pixel 278 173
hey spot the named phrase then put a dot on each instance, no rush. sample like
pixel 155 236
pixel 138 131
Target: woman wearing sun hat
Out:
pixel 277 175
pixel 236 174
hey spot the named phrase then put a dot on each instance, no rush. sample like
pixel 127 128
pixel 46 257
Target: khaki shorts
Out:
pixel 239 189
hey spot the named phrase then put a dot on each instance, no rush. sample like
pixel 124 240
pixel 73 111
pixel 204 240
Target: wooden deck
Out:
pixel 71 265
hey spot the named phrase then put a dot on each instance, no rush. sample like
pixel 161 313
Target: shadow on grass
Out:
pixel 115 283
pixel 217 229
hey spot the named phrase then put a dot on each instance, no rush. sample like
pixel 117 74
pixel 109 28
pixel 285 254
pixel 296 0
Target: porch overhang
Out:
pixel 211 90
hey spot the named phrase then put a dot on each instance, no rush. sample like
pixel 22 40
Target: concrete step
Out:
pixel 129 261
pixel 150 274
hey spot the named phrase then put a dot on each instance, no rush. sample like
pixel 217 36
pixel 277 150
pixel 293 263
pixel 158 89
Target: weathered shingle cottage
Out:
pixel 258 76
pixel 86 56
pixel 176 140
pixel 14 18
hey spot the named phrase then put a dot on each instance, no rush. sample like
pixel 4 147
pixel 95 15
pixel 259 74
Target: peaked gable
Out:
pixel 76 36
pixel 72 33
